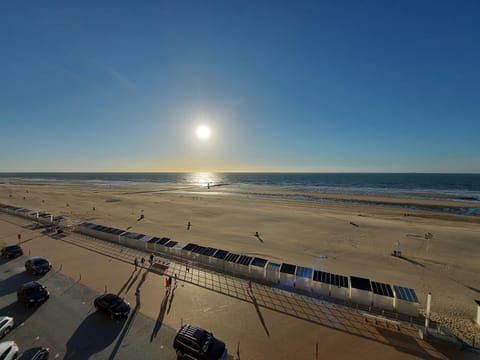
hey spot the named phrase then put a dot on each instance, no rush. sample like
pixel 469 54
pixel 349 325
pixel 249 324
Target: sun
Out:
pixel 203 132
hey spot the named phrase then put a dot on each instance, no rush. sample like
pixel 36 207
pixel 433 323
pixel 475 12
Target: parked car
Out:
pixel 12 251
pixel 38 265
pixel 6 325
pixel 113 305
pixel 32 293
pixel 196 343
pixel 8 350
pixel 41 354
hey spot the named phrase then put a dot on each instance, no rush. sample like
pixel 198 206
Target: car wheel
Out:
pixel 179 355
pixel 7 330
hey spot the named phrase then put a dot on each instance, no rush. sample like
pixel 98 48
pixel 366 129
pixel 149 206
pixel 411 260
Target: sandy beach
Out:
pixel 308 233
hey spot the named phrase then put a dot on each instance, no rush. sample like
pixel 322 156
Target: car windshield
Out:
pixel 208 341
pixel 34 290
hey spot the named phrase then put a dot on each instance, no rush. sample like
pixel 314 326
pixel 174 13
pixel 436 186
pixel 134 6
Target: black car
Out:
pixel 41 354
pixel 38 265
pixel 192 342
pixel 32 293
pixel 12 251
pixel 113 305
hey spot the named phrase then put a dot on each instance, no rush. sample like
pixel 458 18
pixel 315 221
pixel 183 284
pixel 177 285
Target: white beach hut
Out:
pixel 383 297
pixel 304 278
pixel 360 291
pixel 406 301
pixel 257 268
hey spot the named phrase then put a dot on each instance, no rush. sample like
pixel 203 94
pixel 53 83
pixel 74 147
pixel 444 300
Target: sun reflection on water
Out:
pixel 203 178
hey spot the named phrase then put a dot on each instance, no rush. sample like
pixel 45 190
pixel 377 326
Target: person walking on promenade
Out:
pixel 143 261
pixel 170 281
pixel 166 284
pixel 135 262
pixel 250 285
pixel 175 279
pixel 151 259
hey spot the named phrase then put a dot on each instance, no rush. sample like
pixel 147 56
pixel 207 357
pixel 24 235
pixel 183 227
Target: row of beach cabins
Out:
pixel 356 290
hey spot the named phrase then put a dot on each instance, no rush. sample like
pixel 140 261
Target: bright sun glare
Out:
pixel 203 132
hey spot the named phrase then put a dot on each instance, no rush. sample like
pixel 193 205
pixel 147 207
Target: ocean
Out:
pixel 460 187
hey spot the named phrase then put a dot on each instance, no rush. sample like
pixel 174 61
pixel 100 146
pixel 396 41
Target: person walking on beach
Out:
pixel 143 261
pixel 166 284
pixel 175 280
pixel 188 225
pixel 169 281
pixel 135 262
pixel 151 259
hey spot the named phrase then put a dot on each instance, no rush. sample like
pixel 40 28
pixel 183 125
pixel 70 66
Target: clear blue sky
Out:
pixel 283 85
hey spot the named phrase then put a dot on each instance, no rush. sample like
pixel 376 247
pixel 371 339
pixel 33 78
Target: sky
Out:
pixel 307 86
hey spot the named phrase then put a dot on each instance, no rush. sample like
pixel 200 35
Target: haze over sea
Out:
pixel 460 187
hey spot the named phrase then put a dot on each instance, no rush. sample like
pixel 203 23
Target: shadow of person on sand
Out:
pixel 81 345
pixel 171 299
pixel 257 309
pixel 124 332
pixel 161 315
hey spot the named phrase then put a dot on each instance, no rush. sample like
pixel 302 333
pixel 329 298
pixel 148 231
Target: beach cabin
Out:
pixel 230 261
pixel 207 255
pixel 131 239
pixel 176 250
pixel 242 265
pixel 170 247
pixel 45 218
pixel 304 278
pixel 339 287
pixel 257 268
pixel 105 233
pixel 159 245
pixel 383 296
pixel 218 260
pixel 272 272
pixel 406 301
pixel 151 243
pixel 144 241
pixel 287 275
pixel 197 254
pixel 360 291
pixel 188 250
pixel 321 283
